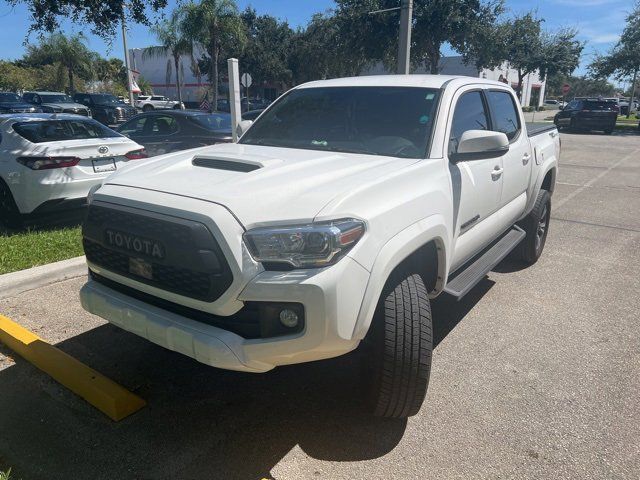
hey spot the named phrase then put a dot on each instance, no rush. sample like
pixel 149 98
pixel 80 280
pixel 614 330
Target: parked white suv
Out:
pixel 156 102
pixel 342 211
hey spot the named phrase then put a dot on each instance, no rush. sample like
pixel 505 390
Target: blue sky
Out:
pixel 599 22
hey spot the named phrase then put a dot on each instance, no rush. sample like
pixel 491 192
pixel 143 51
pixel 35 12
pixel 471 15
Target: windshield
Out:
pixel 106 100
pixel 9 97
pixel 214 121
pixel 61 98
pixel 42 131
pixel 392 121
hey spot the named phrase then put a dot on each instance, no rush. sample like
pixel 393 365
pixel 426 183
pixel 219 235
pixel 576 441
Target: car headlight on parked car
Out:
pixel 304 246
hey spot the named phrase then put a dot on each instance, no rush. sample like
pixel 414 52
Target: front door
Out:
pixel 476 184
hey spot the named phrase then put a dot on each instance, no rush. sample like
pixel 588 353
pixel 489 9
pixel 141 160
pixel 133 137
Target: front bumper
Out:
pixel 330 298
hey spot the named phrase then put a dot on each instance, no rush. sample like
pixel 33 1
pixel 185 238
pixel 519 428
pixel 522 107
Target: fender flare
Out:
pixel 398 248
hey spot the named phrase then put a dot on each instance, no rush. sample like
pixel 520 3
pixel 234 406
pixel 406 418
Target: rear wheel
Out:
pixel 9 214
pixel 398 347
pixel 147 108
pixel 536 225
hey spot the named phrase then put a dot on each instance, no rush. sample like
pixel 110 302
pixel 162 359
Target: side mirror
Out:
pixel 243 126
pixel 480 144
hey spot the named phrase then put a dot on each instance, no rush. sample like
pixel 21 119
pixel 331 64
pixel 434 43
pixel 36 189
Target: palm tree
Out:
pixel 70 53
pixel 173 43
pixel 215 26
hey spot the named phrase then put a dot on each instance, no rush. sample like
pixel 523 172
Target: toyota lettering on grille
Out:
pixel 134 244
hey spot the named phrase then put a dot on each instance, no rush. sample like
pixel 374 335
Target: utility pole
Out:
pixel 404 42
pixel 404 47
pixel 126 59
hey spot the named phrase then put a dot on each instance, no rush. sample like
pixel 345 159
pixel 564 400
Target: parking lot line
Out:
pixel 103 393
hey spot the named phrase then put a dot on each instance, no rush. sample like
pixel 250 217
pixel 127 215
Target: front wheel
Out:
pixel 536 226
pixel 399 345
pixel 147 108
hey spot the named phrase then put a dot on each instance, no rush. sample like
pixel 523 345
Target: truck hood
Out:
pixel 284 184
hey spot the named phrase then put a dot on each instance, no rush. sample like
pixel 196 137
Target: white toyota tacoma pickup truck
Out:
pixel 341 212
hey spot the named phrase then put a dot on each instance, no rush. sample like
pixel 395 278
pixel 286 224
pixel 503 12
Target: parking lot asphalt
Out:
pixel 536 374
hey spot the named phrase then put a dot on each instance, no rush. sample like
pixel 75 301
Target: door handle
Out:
pixel 526 158
pixel 496 173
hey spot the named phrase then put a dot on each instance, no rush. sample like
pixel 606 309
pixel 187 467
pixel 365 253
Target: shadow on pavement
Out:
pixel 200 422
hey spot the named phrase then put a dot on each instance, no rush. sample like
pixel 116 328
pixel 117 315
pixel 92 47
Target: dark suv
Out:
pixel 106 108
pixel 12 103
pixel 588 114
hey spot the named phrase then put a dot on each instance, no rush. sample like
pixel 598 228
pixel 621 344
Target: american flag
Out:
pixel 205 105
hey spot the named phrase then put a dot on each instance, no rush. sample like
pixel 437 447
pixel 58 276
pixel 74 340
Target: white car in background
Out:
pixel 51 161
pixel 156 102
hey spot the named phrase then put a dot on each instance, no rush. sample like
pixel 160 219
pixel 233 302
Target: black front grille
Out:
pixel 191 264
pixel 125 113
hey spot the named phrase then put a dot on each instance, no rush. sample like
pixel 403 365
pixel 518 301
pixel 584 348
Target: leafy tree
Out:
pixel 16 78
pixel 582 86
pixel 173 43
pixel 460 23
pixel 215 27
pixel 623 61
pixel 69 53
pixel 145 86
pixel 101 18
pixel 527 48
pixel 267 49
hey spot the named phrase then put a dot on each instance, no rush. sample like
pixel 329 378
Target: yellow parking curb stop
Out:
pixel 103 393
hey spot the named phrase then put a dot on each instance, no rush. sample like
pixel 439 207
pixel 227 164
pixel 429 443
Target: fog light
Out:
pixel 288 318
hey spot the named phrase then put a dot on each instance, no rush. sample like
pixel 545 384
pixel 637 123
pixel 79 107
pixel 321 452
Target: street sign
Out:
pixel 246 80
pixel 565 88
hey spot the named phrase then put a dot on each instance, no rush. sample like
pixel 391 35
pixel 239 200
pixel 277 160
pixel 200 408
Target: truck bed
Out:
pixel 534 129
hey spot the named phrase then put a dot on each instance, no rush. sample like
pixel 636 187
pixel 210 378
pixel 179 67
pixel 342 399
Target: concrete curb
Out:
pixel 14 283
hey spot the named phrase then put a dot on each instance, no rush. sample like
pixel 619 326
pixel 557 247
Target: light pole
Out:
pixel 404 42
pixel 126 59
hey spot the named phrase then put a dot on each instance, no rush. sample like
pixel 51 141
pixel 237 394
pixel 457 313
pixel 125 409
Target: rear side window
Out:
pixel 505 114
pixel 470 114
pixel 43 131
pixel 598 105
pixel 214 121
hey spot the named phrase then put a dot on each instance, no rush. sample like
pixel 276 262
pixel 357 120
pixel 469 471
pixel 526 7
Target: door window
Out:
pixel 505 115
pixel 470 114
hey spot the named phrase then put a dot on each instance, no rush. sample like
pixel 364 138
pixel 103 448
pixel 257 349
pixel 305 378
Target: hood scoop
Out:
pixel 220 164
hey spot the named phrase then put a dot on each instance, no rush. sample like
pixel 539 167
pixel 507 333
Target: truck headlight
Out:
pixel 304 246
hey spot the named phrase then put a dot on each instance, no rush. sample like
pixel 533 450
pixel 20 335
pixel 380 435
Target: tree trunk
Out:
pixel 433 58
pixel 176 62
pixel 214 61
pixel 71 87
pixel 633 91
pixel 519 87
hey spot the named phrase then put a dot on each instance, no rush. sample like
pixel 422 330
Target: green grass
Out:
pixel 6 475
pixel 31 248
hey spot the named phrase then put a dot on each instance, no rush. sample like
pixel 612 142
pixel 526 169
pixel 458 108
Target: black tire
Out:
pixel 399 344
pixel 9 213
pixel 536 225
pixel 147 108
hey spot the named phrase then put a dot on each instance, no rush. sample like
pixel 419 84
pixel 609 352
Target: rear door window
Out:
pixel 161 125
pixel 43 131
pixel 134 127
pixel 598 105
pixel 504 112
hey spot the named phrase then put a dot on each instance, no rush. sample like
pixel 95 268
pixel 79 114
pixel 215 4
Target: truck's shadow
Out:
pixel 200 423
